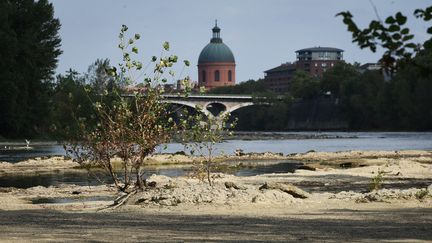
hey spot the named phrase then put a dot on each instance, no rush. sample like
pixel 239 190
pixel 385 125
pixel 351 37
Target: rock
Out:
pixel 180 153
pixel 288 188
pixel 76 192
pixel 7 189
pixel 230 184
pixel 306 167
pixel 346 165
pixel 239 152
pixel 151 184
pixel 429 188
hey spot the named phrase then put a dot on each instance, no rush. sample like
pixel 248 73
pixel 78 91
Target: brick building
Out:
pixel 315 60
pixel 216 63
pixel 278 79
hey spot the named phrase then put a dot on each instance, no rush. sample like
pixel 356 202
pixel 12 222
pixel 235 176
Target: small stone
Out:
pixel 239 152
pixel 306 167
pixel 181 152
pixel 288 188
pixel 346 165
pixel 152 184
pixel 230 184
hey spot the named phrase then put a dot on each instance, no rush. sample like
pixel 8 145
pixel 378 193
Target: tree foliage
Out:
pixel 392 35
pixel 126 126
pixel 303 85
pixel 30 47
pixel 200 134
pixel 248 87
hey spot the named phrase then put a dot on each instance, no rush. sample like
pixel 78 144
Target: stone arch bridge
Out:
pixel 212 105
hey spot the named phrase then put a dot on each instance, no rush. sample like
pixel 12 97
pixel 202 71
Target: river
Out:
pixel 303 142
pixel 335 141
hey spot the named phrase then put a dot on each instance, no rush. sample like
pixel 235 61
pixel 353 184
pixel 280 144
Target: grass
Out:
pixel 377 181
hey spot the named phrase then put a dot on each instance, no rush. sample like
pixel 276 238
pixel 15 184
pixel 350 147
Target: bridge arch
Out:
pixel 192 105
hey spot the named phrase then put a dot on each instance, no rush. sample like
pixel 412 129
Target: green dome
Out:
pixel 216 50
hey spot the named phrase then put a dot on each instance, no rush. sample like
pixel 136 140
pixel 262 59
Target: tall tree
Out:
pixel 305 86
pixel 30 47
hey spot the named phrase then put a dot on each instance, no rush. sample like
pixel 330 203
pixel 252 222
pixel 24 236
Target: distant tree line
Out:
pixel 367 100
pixel 35 104
pixel 397 97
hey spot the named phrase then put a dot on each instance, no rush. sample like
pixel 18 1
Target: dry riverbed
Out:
pixel 327 200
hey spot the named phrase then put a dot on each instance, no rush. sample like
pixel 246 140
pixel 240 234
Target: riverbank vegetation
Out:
pixel 396 97
pixel 34 104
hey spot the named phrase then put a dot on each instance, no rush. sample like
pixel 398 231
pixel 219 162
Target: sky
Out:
pixel 262 34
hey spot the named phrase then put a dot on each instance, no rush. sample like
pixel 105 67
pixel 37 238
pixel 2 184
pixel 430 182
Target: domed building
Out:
pixel 216 63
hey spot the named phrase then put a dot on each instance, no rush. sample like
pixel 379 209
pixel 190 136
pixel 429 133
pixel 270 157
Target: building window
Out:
pixel 203 76
pixel 323 64
pixel 217 75
pixel 229 75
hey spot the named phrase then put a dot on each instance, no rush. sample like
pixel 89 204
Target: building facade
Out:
pixel 278 79
pixel 216 63
pixel 315 60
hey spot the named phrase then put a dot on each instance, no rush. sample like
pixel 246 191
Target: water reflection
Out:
pixel 98 177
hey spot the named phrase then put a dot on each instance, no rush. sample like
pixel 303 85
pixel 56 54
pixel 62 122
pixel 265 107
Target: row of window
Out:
pixel 216 76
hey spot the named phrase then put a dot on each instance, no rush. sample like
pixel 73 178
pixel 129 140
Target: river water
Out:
pixel 338 141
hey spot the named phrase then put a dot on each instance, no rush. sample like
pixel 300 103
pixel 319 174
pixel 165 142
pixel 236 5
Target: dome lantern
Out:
pixel 216 34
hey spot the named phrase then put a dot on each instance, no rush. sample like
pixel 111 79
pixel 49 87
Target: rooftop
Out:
pixel 320 49
pixel 282 67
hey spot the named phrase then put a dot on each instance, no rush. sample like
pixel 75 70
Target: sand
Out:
pixel 338 206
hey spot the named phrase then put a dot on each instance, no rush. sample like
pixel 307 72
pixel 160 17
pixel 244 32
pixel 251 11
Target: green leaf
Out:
pixel 396 36
pixel 137 36
pixel 173 58
pixel 154 58
pixel 135 50
pixel 394 28
pixel 166 45
pixel 407 37
pixel 390 20
pixel 187 63
pixel 400 18
pixel 429 30
pixel 411 45
pixel 404 31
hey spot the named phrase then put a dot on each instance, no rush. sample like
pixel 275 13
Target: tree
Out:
pixel 392 35
pixel 200 135
pixel 248 87
pixel 98 77
pixel 30 47
pixel 126 125
pixel 303 85
pixel 337 78
pixel 404 101
pixel 69 101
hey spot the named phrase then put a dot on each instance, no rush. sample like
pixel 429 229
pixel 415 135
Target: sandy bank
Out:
pixel 337 206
